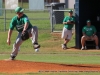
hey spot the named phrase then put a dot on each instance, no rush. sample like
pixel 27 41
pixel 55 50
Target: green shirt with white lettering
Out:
pixel 19 23
pixel 89 30
pixel 68 18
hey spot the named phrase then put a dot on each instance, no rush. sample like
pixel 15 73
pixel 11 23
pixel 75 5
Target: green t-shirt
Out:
pixel 68 18
pixel 19 23
pixel 89 30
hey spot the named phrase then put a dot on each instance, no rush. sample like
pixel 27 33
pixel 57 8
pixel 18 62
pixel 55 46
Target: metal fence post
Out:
pixel 22 3
pixel 51 18
pixel 4 19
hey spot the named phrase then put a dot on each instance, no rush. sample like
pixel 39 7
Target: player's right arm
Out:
pixel 66 21
pixel 9 36
pixel 12 25
pixel 94 30
pixel 84 31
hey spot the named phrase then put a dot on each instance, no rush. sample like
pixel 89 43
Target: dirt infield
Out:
pixel 18 66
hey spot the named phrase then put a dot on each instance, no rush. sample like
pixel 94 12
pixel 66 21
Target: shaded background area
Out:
pixel 86 9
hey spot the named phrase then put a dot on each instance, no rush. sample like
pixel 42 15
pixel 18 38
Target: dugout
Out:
pixel 86 9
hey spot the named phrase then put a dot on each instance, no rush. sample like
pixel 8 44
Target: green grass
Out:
pixel 58 58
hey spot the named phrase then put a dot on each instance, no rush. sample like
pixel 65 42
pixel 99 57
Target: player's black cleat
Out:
pixel 36 46
pixel 12 58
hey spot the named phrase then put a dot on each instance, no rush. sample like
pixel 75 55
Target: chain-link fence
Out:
pixel 57 20
pixel 42 19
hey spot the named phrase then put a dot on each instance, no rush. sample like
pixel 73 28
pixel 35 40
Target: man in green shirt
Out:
pixel 89 33
pixel 22 24
pixel 68 22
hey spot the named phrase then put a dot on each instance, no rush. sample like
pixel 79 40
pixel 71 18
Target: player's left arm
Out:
pixel 25 35
pixel 94 30
pixel 26 21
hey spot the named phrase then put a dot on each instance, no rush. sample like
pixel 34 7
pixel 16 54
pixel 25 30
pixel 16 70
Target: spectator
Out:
pixel 89 33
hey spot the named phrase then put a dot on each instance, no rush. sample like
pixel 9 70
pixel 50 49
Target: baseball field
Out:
pixel 51 59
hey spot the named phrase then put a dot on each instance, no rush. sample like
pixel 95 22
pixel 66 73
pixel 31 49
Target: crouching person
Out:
pixel 89 33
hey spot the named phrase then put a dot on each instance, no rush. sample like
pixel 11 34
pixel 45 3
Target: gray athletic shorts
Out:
pixel 66 34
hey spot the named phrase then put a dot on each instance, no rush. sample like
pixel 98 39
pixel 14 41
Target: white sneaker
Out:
pixel 37 50
pixel 83 48
pixel 64 46
pixel 97 47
